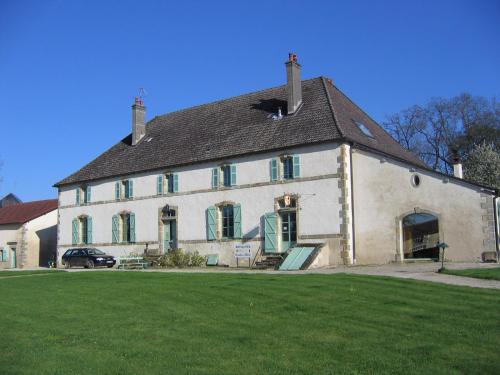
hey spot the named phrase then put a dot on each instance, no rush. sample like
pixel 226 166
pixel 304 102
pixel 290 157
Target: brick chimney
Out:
pixel 457 165
pixel 294 84
pixel 138 121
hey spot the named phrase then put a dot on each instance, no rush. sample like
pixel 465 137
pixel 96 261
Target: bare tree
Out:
pixel 441 127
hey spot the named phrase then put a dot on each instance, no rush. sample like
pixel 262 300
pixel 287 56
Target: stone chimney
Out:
pixel 138 121
pixel 457 165
pixel 294 84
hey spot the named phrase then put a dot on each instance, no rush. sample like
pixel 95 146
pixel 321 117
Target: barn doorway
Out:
pixel 420 236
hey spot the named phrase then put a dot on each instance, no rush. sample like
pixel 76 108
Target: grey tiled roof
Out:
pixel 237 126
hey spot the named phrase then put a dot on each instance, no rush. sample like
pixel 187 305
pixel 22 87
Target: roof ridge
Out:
pixel 330 104
pixel 229 98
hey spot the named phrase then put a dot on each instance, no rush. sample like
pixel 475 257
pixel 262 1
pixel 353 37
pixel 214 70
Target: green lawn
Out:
pixel 166 323
pixel 28 272
pixel 478 273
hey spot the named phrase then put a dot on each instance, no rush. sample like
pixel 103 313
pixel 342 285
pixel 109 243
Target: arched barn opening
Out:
pixel 420 236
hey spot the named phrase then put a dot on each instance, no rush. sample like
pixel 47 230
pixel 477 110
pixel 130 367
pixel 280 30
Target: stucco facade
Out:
pixel 31 244
pixel 317 191
pixel 384 194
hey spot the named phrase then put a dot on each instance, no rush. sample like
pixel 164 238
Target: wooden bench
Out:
pixel 132 263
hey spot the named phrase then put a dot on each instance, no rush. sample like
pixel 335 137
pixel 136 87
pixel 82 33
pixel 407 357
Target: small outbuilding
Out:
pixel 28 234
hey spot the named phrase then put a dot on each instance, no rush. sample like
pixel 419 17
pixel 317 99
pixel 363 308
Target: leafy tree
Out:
pixel 483 165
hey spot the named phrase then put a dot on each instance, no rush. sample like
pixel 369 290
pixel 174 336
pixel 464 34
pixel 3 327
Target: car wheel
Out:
pixel 90 264
pixel 67 264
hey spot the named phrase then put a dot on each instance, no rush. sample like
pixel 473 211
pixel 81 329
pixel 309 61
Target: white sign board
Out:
pixel 242 250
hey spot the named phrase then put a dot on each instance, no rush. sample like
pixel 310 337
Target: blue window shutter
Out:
pixel 78 195
pixel 132 227
pixel 115 229
pixel 233 175
pixel 87 194
pixel 237 221
pixel 215 178
pixel 130 188
pixel 211 223
pixel 175 176
pixel 5 255
pixel 296 166
pixel 159 184
pixel 270 232
pixel 89 229
pixel 74 232
pixel 117 190
pixel 274 169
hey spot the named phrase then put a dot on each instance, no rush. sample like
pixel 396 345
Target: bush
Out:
pixel 180 259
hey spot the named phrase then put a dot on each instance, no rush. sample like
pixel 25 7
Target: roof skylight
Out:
pixel 364 129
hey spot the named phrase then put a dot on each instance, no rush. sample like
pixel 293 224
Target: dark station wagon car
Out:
pixel 88 258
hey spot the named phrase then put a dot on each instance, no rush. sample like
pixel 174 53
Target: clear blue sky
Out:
pixel 69 70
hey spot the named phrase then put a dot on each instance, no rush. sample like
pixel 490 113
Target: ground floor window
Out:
pixel 224 221
pixel 420 236
pixel 82 230
pixel 123 228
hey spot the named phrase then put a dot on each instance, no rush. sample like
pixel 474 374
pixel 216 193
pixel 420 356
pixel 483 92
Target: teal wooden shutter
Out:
pixel 215 178
pixel 159 184
pixel 87 194
pixel 130 188
pixel 115 229
pixel 233 175
pixel 237 221
pixel 274 169
pixel 5 254
pixel 77 195
pixel 175 176
pixel 74 231
pixel 211 223
pixel 296 166
pixel 89 229
pixel 132 227
pixel 270 232
pixel 117 190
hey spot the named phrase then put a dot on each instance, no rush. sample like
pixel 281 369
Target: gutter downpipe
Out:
pixel 352 208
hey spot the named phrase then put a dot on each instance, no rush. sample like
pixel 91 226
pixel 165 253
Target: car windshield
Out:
pixel 94 252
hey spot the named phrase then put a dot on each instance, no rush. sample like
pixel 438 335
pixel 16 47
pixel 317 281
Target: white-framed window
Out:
pixel 285 167
pixel 224 175
pixel 123 228
pixel 83 194
pixel 124 189
pixel 167 183
pixel 224 221
pixel 81 230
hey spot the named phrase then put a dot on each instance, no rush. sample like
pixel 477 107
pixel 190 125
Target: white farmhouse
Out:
pixel 291 166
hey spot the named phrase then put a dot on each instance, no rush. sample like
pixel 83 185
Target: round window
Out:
pixel 415 180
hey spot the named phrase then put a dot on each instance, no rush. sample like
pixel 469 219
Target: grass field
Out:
pixel 24 273
pixel 165 323
pixel 478 273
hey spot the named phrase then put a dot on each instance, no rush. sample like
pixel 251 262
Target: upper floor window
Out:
pixel 83 194
pixel 124 189
pixel 224 221
pixel 364 129
pixel 286 167
pixel 123 227
pixel 82 230
pixel 167 183
pixel 224 175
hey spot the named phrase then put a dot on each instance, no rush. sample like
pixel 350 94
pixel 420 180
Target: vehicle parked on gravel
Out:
pixel 87 257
